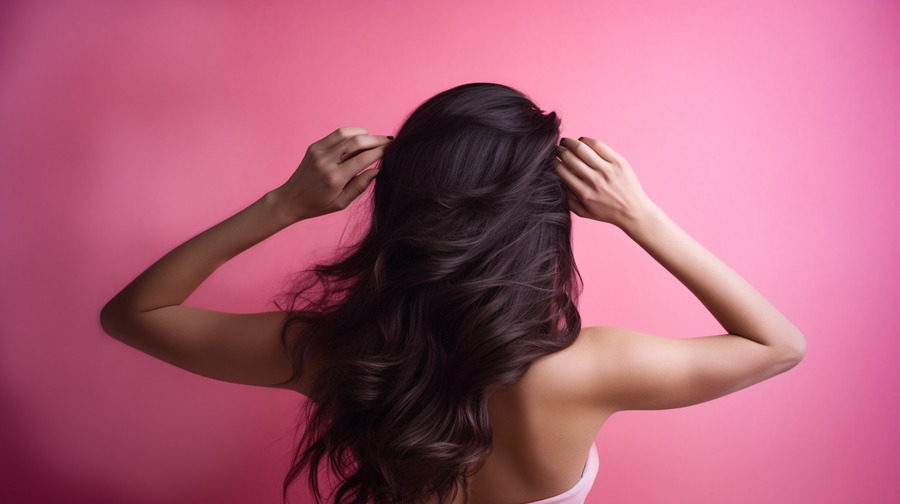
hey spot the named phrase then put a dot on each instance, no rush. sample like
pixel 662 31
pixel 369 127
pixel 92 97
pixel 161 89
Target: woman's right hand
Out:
pixel 602 184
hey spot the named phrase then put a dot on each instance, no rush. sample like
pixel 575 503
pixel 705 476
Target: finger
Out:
pixel 361 161
pixel 338 136
pixel 602 150
pixel 585 153
pixel 576 186
pixel 355 187
pixel 580 168
pixel 353 146
pixel 577 207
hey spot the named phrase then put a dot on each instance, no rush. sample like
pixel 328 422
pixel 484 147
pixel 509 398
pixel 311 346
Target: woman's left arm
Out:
pixel 241 348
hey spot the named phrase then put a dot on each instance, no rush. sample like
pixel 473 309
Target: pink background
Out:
pixel 769 131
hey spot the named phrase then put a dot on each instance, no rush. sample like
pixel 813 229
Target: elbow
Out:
pixel 801 347
pixel 106 319
pixel 110 320
pixel 794 350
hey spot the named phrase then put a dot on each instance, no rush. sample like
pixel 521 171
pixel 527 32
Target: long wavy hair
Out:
pixel 464 278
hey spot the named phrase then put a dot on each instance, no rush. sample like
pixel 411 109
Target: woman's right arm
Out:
pixel 640 371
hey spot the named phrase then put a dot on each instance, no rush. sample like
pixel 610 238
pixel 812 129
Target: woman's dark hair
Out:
pixel 464 278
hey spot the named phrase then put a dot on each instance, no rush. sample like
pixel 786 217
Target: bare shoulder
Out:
pixel 314 361
pixel 569 376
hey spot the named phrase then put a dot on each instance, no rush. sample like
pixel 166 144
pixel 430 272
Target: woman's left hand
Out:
pixel 329 177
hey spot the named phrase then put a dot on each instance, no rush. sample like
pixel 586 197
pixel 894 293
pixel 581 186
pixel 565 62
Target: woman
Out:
pixel 443 354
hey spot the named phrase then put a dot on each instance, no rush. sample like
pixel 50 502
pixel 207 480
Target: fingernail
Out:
pixel 390 137
pixel 580 138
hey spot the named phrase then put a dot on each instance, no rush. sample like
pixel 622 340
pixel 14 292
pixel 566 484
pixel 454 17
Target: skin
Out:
pixel 545 424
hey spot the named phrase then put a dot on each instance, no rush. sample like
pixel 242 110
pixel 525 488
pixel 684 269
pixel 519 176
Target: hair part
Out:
pixel 465 277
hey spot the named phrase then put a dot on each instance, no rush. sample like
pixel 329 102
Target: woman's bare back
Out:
pixel 543 429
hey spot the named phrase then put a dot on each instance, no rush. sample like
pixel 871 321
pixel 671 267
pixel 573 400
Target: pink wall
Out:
pixel 768 130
